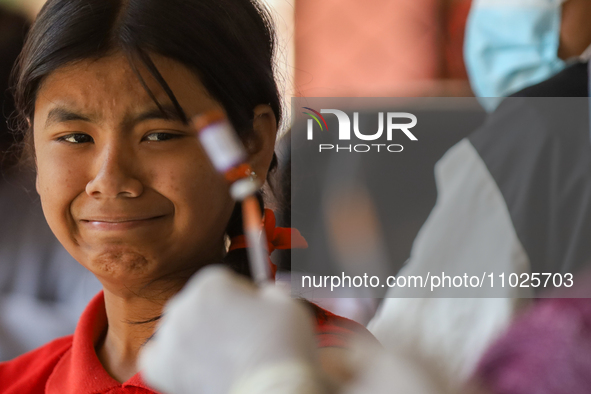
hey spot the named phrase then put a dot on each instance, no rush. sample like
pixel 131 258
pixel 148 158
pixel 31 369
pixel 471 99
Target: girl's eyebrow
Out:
pixel 166 112
pixel 62 114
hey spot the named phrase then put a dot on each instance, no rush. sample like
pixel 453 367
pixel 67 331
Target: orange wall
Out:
pixel 367 47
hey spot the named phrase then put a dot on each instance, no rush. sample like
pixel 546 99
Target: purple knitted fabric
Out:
pixel 545 351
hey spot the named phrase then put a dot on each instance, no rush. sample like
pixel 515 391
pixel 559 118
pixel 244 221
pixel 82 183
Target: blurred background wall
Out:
pixel 374 48
pixel 379 48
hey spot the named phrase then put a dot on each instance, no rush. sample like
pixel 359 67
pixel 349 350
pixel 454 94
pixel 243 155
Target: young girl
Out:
pixel 105 90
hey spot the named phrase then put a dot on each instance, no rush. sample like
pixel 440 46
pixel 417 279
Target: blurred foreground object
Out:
pixel 547 350
pixel 515 196
pixel 375 371
pixel 469 226
pixel 223 335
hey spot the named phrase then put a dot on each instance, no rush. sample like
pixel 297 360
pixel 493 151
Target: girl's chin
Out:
pixel 119 262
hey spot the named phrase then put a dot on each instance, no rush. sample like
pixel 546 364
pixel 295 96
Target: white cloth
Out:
pixel 469 229
pixel 376 371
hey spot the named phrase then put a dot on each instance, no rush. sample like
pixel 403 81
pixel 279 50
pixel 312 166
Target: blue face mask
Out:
pixel 511 44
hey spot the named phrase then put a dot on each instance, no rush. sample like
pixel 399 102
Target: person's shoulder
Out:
pixel 548 112
pixel 337 331
pixel 570 82
pixel 29 372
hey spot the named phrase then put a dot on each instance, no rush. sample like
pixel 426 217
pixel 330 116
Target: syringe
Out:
pixel 229 157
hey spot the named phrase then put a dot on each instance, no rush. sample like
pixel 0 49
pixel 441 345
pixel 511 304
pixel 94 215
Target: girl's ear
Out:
pixel 262 144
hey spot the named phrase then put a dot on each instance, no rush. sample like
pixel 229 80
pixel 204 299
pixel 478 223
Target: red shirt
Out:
pixel 69 365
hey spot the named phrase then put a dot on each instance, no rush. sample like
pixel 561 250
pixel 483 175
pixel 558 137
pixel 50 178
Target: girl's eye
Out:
pixel 77 138
pixel 160 136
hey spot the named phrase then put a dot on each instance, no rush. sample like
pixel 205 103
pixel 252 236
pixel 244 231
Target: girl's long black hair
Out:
pixel 228 44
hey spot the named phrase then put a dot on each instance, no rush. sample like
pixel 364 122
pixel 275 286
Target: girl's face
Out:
pixel 128 191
